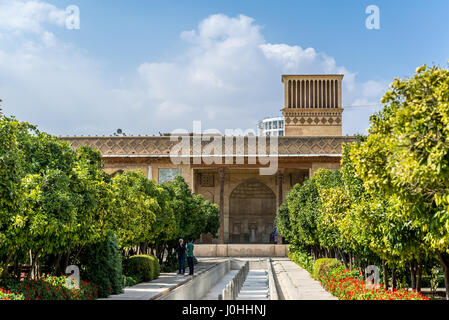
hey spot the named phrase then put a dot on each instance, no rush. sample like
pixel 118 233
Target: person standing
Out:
pixel 181 252
pixel 190 257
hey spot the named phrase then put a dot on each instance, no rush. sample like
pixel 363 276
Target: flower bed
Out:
pixel 349 285
pixel 48 288
pixel 6 295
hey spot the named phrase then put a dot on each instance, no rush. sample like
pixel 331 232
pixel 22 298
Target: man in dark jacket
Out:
pixel 181 252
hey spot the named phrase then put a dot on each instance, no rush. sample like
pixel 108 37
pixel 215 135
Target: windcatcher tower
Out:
pixel 312 105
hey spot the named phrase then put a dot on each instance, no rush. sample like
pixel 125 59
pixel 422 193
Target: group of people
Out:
pixel 182 251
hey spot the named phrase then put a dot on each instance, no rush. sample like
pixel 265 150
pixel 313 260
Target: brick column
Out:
pixel 221 173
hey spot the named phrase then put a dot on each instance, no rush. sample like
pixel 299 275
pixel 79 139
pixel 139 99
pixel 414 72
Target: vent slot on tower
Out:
pixel 313 105
pixel 313 93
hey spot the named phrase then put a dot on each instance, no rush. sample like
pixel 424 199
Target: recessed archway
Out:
pixel 252 210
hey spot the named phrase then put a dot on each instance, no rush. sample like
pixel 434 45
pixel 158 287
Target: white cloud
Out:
pixel 29 16
pixel 229 78
pixel 230 69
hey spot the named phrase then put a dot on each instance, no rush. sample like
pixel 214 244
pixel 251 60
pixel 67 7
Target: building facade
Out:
pixel 248 200
pixel 271 127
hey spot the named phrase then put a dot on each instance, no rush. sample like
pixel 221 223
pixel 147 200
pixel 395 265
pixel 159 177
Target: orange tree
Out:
pixel 193 216
pixel 406 155
pixel 12 162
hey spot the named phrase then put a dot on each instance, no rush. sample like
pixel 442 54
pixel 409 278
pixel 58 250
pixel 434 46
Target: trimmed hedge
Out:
pixel 324 266
pixel 157 267
pixel 145 267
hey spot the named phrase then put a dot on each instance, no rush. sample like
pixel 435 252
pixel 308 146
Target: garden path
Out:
pixel 296 283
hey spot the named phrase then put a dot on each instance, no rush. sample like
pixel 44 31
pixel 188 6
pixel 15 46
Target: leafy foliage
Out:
pixel 324 266
pixel 48 288
pixel 102 265
pixel 143 267
pixel 58 207
pixel 301 258
pixel 389 203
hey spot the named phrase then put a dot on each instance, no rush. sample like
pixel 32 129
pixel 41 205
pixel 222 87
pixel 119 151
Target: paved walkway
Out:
pixel 165 283
pixel 296 283
pixel 255 286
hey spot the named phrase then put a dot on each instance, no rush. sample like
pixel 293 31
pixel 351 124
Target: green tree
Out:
pixel 211 212
pixel 304 207
pixel 193 215
pixel 12 162
pixel 133 214
pixel 283 223
pixel 50 211
pixel 406 155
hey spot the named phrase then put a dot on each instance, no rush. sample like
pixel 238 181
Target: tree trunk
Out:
pixel 78 253
pixel 37 272
pixel 57 264
pixel 66 262
pixel 419 277
pixel 34 272
pixel 385 272
pixel 315 253
pixel 160 253
pixel 350 260
pixel 345 259
pixel 393 278
pixel 342 256
pixel 444 260
pixel 30 274
pixel 5 268
pixel 357 263
pixel 17 270
pixel 412 273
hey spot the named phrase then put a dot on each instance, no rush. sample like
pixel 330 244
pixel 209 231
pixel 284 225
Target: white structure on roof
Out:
pixel 271 127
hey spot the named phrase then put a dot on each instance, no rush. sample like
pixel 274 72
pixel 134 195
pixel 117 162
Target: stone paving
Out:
pixel 165 283
pixel 297 283
pixel 255 286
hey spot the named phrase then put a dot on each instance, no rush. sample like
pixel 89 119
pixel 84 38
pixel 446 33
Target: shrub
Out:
pixel 323 266
pixel 130 281
pixel 102 265
pixel 144 266
pixel 156 267
pixel 302 259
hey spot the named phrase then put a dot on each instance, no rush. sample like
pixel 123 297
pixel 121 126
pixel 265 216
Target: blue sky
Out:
pixel 150 66
pixel 412 32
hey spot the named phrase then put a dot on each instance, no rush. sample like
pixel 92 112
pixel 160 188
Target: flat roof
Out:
pixel 162 146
